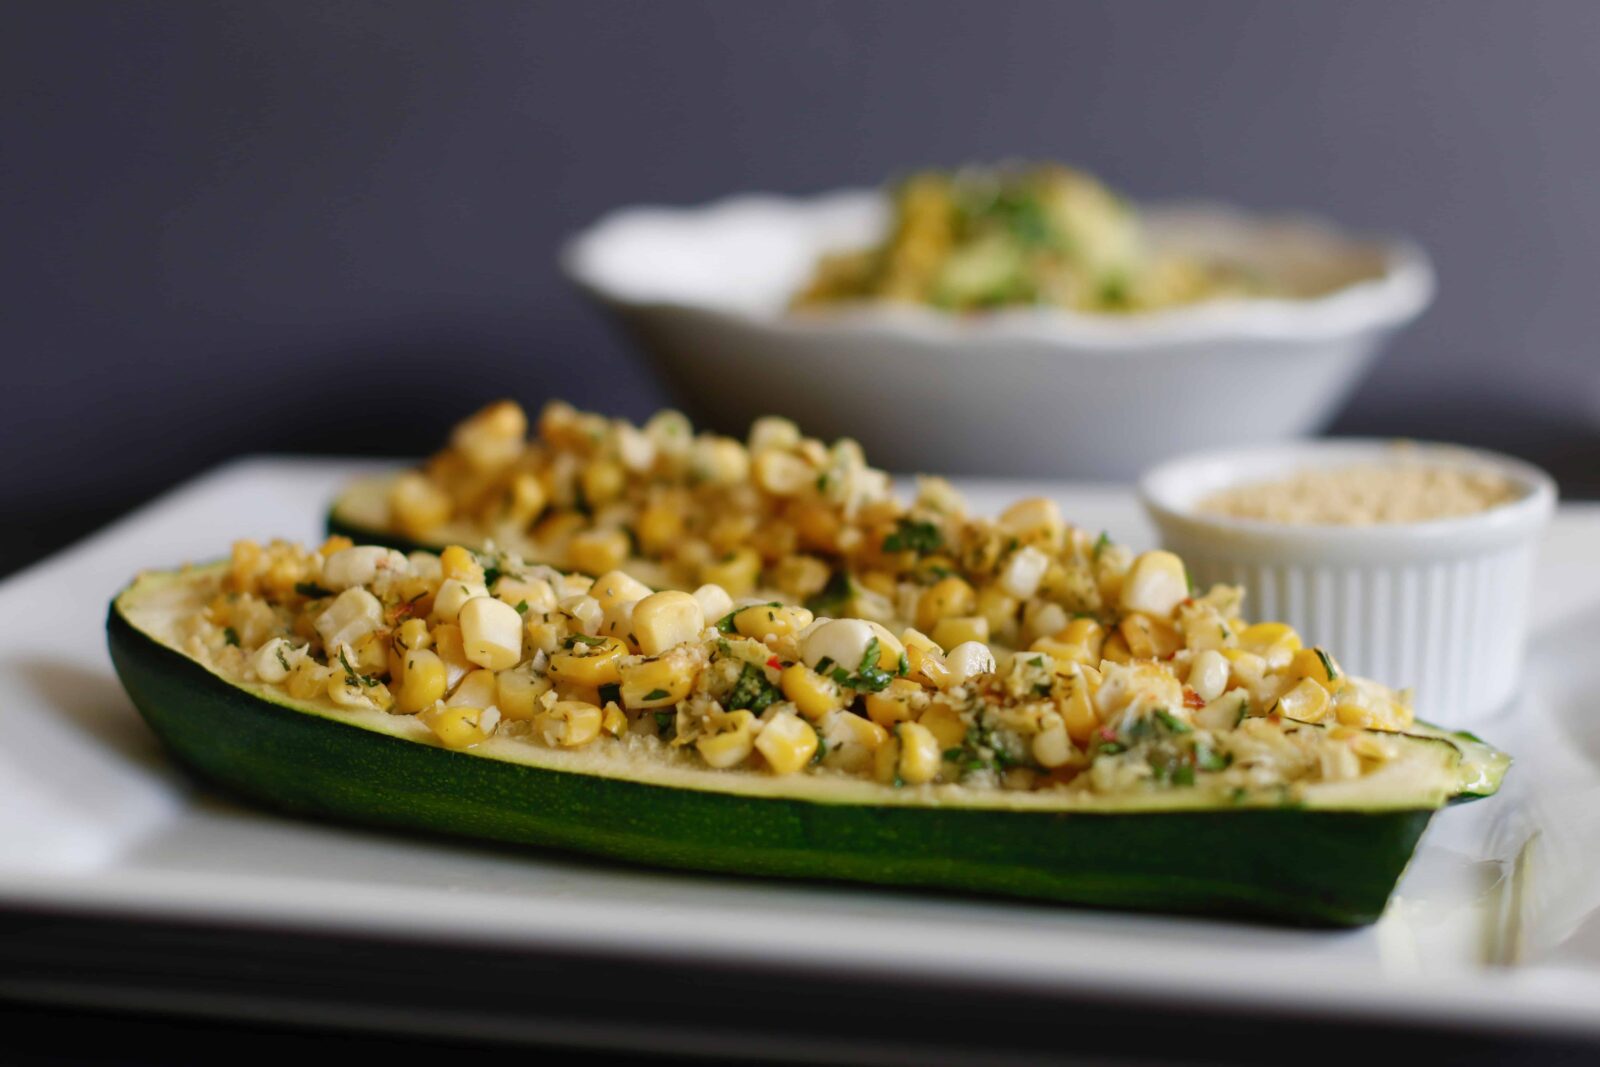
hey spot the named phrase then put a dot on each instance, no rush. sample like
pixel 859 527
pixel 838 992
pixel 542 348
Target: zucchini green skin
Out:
pixel 1318 868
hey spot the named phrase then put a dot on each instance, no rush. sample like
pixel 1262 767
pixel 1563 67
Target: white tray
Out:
pixel 1492 927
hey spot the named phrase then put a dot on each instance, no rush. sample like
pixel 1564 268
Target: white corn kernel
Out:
pixel 585 613
pixel 968 660
pixel 714 601
pixel 782 473
pixel 452 596
pixel 666 619
pixel 360 565
pixel 1155 584
pixel 274 660
pixel 353 614
pixel 491 633
pixel 842 641
pixel 771 431
pixel 1024 570
pixel 1208 674
pixel 614 587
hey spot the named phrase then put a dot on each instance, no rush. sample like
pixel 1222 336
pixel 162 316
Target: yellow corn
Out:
pixel 731 741
pixel 517 693
pixel 594 662
pixel 457 562
pixel 455 727
pixel 597 551
pixel 1149 638
pixel 812 694
pixel 1074 700
pixel 761 621
pixel 659 525
pixel 476 690
pixel 925 658
pixel 786 742
pixel 657 683
pixel 736 571
pixel 603 482
pixel 959 629
pixel 570 723
pixel 893 705
pixel 1306 702
pixel 417 505
pixel 945 724
pixel 944 598
pixel 1275 642
pixel 615 721
pixel 1315 664
pixel 911 756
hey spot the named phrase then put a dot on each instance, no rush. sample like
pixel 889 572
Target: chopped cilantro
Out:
pixel 666 723
pixel 824 664
pixel 903 668
pixel 656 694
pixel 753 691
pixel 1327 664
pixel 912 535
pixel 822 749
pixel 834 595
pixel 1183 774
pixel 522 607
pixel 1172 722
pixel 583 639
pixel 283 660
pixel 1102 543
pixel 231 636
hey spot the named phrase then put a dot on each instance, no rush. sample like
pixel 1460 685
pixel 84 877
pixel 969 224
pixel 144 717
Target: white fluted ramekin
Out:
pixel 1438 606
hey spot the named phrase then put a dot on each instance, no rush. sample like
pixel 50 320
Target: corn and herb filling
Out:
pixel 1143 685
pixel 1047 235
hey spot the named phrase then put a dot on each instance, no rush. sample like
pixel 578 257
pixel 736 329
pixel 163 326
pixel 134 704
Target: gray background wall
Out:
pixel 241 226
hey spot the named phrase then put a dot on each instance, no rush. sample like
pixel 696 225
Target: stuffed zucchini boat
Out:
pixel 1230 772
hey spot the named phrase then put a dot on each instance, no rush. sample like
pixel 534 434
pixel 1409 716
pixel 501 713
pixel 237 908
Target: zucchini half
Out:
pixel 1331 861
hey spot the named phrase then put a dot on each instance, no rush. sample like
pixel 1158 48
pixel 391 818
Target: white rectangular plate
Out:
pixel 1492 926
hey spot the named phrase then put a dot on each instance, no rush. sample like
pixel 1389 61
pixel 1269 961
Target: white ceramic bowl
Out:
pixel 1027 391
pixel 1438 606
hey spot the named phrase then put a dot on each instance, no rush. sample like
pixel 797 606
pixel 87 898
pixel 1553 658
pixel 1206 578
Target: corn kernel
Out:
pixel 851 741
pixel 1155 585
pixel 730 742
pixel 1305 702
pixel 811 693
pixel 786 742
pixel 594 662
pixel 959 629
pixel 453 595
pixel 418 506
pixel 570 723
pixel 658 683
pixel 945 724
pixel 762 621
pixel 666 619
pixel 893 705
pixel 736 572
pixel 1274 642
pixel 477 690
pixel 1075 702
pixel 1315 664
pixel 517 693
pixel 1149 638
pixel 603 482
pixel 911 756
pixel 944 598
pixel 456 727
pixel 491 633
pixel 597 551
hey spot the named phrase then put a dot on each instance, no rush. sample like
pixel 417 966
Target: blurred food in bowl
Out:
pixel 981 238
pixel 1041 389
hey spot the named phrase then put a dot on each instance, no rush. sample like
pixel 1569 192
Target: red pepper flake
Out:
pixel 1107 734
pixel 1191 699
pixel 775 663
